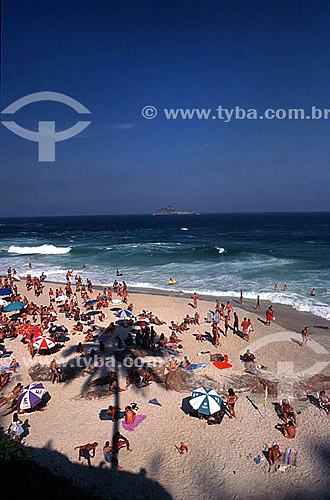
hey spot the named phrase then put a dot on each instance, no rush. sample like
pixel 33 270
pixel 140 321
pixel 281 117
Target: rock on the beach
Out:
pixel 40 372
pixel 185 381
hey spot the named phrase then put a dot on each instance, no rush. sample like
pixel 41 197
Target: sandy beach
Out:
pixel 220 461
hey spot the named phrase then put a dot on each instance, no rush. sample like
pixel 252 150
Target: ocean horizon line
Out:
pixel 146 214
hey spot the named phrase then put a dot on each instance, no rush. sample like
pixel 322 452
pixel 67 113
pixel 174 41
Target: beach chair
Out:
pixel 208 318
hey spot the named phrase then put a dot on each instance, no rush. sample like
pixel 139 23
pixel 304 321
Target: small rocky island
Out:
pixel 169 210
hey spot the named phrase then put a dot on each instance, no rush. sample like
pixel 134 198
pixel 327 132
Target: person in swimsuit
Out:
pixel 85 452
pixel 109 456
pixel 288 411
pixel 288 430
pixel 112 411
pixel 231 400
pixel 258 303
pixel 119 442
pixel 274 458
pixel 304 334
pixel 54 368
pixel 129 415
pixel 194 297
pixel 325 400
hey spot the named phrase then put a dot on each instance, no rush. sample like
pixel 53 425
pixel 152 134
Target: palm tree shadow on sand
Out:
pixel 96 384
pixel 100 482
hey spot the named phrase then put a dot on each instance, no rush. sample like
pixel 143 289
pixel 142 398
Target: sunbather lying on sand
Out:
pixel 111 411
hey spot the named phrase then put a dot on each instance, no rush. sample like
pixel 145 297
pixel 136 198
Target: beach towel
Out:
pixel 154 402
pixel 195 366
pixel 289 456
pixel 137 421
pixel 222 364
pixel 102 414
pixel 7 369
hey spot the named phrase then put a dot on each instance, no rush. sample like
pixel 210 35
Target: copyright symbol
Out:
pixel 149 112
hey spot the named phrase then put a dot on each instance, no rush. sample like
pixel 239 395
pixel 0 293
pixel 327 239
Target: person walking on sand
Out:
pixel 194 297
pixel 241 297
pixel 258 303
pixel 304 334
pixel 16 429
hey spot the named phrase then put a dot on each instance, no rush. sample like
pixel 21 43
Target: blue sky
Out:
pixel 117 57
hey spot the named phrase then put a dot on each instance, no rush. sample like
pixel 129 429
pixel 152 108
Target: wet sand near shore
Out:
pixel 220 461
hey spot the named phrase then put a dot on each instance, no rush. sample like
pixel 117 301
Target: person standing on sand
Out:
pixel 305 337
pixel 235 326
pixel 55 370
pixel 258 304
pixel 231 400
pixel 241 297
pixel 216 334
pixel 269 315
pixel 194 297
pixel 226 326
pixel 245 328
pixel 229 308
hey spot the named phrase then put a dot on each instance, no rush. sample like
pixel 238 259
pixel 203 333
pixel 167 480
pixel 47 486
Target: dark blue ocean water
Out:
pixel 217 254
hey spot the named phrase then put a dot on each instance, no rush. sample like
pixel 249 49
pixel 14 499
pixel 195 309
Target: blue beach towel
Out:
pixel 195 366
pixel 154 402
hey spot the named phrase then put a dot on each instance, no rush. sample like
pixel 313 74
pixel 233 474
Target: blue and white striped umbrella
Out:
pixel 125 313
pixel 205 401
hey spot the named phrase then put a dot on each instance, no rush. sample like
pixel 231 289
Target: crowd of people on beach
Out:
pixel 77 302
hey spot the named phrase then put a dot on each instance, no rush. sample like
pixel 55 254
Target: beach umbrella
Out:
pixel 14 306
pixel 205 401
pixel 124 314
pixel 31 396
pixel 142 324
pixel 43 343
pixel 33 334
pixel 5 291
pixel 91 302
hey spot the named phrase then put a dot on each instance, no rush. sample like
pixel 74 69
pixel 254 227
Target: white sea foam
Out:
pixel 42 249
